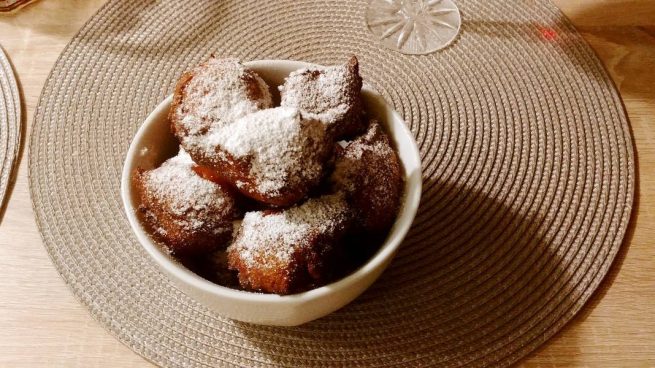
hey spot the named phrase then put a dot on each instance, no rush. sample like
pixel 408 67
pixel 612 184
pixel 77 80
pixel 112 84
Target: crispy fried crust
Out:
pixel 369 171
pixel 312 258
pixel 178 96
pixel 340 108
pixel 236 173
pixel 308 268
pixel 196 230
pixel 253 89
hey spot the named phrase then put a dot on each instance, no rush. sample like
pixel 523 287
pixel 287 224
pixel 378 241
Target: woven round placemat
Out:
pixel 528 180
pixel 10 122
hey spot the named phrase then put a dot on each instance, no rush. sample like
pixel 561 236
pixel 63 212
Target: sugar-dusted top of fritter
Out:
pixel 282 149
pixel 216 93
pixel 271 239
pixel 196 203
pixel 330 95
pixel 368 170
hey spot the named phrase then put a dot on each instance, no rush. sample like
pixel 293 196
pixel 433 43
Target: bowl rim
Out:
pixel 384 253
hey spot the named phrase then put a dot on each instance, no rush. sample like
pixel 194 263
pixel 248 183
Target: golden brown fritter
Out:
pixel 212 95
pixel 273 156
pixel 331 95
pixel 191 215
pixel 292 250
pixel 369 172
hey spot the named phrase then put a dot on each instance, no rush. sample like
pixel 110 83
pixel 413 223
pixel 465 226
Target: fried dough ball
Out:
pixel 188 213
pixel 212 95
pixel 331 95
pixel 368 170
pixel 290 250
pixel 273 156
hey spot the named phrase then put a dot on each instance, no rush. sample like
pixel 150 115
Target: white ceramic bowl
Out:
pixel 154 143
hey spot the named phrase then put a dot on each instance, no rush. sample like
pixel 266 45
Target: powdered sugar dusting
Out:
pixel 323 94
pixel 370 142
pixel 272 238
pixel 348 168
pixel 221 91
pixel 187 195
pixel 369 173
pixel 281 146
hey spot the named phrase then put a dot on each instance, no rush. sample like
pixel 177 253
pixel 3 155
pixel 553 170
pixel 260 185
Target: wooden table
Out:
pixel 42 324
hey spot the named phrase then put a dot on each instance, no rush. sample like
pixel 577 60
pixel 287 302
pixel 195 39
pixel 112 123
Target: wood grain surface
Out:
pixel 42 324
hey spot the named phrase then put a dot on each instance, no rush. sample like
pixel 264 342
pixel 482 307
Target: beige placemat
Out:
pixel 10 125
pixel 528 187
